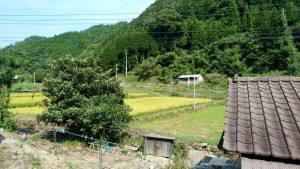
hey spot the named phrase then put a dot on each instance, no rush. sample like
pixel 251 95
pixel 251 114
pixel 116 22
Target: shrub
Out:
pixel 85 99
pixel 7 120
pixel 215 78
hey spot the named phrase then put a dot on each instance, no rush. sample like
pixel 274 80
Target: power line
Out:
pixel 112 19
pixel 51 20
pixel 74 14
pixel 42 24
pixel 105 14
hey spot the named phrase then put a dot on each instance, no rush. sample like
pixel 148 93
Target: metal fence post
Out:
pixel 55 148
pixel 100 157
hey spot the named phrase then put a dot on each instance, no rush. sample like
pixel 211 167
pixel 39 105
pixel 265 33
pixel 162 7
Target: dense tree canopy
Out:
pixel 85 99
pixel 7 120
pixel 239 36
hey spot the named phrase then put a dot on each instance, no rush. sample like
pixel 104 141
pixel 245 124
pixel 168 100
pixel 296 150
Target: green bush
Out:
pixel 85 99
pixel 179 152
pixel 7 120
pixel 176 94
pixel 215 78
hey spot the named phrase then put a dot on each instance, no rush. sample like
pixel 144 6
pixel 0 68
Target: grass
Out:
pixel 200 126
pixel 35 137
pixel 27 87
pixel 151 104
pixel 34 161
pixel 70 165
pixel 137 95
pixel 73 143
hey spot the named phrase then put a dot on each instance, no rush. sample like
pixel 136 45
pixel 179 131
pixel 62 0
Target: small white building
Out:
pixel 189 79
pixel 16 77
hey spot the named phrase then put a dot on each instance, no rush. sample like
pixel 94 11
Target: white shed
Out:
pixel 189 79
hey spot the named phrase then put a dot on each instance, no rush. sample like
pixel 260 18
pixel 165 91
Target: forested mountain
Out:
pixel 173 37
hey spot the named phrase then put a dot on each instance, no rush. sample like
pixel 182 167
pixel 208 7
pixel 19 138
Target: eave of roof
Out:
pixel 189 76
pixel 266 163
pixel 151 135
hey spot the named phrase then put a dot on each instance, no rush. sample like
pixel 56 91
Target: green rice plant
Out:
pixel 137 95
pixel 202 125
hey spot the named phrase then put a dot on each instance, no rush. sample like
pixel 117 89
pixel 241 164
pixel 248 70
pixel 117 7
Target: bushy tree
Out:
pixel 7 120
pixel 85 99
pixel 148 68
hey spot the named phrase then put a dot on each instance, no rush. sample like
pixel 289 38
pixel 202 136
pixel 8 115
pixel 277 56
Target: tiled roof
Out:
pixel 263 117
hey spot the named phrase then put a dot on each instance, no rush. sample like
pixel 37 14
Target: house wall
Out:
pixel 191 80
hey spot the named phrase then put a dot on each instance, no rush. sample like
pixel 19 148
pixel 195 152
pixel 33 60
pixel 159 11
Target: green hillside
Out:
pixel 174 37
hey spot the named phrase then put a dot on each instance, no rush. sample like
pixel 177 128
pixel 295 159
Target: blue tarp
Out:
pixel 1 138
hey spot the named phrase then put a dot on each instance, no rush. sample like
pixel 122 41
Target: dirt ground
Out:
pixel 18 154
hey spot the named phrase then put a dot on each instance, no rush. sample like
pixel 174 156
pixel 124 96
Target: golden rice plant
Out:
pixel 27 110
pixel 13 95
pixel 25 101
pixel 151 104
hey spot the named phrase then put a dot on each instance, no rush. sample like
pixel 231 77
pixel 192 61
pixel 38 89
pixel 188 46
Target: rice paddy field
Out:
pixel 26 110
pixel 27 103
pixel 154 104
pixel 203 125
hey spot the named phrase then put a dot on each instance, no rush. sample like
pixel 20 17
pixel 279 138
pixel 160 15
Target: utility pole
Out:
pixel 100 158
pixel 116 70
pixel 126 64
pixel 188 80
pixel 194 93
pixel 55 147
pixel 34 78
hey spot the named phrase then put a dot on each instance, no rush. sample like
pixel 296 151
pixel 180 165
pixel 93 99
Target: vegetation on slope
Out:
pixel 180 37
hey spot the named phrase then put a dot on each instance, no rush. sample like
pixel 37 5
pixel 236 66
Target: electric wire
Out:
pixel 69 14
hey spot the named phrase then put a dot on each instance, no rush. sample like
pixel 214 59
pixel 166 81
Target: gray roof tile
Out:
pixel 262 150
pixel 263 117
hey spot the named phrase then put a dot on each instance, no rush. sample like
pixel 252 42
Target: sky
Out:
pixel 20 19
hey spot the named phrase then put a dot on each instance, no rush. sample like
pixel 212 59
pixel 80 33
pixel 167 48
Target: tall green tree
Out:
pixel 7 120
pixel 85 99
pixel 138 44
